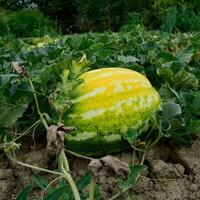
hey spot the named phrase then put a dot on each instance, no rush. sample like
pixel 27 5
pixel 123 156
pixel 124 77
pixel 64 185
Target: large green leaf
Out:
pixel 171 110
pixel 185 56
pixel 9 114
pixel 185 80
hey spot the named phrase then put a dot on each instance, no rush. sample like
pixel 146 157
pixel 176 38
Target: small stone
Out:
pixel 193 187
pixel 162 169
pixel 188 157
pixel 144 184
pixel 180 169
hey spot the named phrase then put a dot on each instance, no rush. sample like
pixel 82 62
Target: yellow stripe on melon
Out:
pixel 109 102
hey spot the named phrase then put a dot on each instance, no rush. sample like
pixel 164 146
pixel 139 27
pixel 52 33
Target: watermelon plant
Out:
pixel 102 90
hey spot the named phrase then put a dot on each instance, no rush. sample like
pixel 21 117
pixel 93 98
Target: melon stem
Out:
pixel 64 166
pixel 37 105
pixel 92 188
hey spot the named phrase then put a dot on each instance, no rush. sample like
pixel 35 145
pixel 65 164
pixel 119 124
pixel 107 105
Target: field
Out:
pixel 35 91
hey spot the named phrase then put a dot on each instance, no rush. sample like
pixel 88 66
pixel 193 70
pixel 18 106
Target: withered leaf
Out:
pixel 109 166
pixel 55 138
pixel 20 69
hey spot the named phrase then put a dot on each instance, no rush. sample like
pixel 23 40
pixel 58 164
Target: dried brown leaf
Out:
pixel 109 166
pixel 55 138
pixel 20 69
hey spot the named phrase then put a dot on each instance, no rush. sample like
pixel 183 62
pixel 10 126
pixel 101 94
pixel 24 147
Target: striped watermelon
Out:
pixel 110 101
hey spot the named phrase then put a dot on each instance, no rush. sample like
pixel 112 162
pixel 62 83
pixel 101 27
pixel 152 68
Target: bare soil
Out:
pixel 173 173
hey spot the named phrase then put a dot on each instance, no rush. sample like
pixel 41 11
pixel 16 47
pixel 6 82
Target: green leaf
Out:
pixel 50 73
pixel 171 110
pixel 60 98
pixel 42 182
pixel 131 135
pixel 165 73
pixel 136 170
pixel 5 78
pixel 166 94
pixel 75 42
pixel 84 181
pixel 197 100
pixel 185 80
pixel 188 97
pixel 78 68
pixel 62 193
pixel 127 59
pixel 195 126
pixel 185 56
pixel 24 193
pixel 97 46
pixel 166 57
pixel 61 95
pixel 97 193
pixel 10 113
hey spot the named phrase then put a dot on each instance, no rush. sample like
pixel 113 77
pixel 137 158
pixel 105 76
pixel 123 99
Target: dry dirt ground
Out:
pixel 173 173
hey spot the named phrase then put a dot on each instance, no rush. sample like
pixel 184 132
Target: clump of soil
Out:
pixel 173 173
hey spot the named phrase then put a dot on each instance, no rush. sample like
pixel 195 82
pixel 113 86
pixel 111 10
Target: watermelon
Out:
pixel 108 103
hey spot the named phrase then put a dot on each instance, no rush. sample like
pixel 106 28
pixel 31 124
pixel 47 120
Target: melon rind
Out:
pixel 110 101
